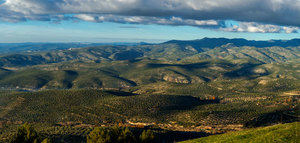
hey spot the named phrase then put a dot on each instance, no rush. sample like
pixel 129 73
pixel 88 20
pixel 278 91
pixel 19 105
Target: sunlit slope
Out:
pixel 282 133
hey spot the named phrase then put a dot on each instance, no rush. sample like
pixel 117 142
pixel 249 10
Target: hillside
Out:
pixel 98 107
pixel 281 133
pixel 67 112
pixel 144 74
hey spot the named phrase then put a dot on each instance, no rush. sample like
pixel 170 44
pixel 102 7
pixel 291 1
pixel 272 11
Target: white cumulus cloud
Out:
pixel 260 28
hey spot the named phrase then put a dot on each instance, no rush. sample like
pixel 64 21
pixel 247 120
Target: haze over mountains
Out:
pixel 10 48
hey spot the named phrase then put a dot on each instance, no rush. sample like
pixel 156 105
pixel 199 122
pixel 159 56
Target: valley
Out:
pixel 180 90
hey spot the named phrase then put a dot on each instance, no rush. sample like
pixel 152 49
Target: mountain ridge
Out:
pixel 215 42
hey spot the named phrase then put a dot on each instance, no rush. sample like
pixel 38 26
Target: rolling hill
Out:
pixel 143 74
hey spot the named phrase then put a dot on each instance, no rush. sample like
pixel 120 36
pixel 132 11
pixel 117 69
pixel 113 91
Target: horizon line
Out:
pixel 132 41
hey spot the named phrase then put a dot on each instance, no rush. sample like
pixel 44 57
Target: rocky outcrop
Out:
pixel 175 78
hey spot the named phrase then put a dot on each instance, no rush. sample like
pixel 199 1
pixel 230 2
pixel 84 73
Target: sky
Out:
pixel 146 20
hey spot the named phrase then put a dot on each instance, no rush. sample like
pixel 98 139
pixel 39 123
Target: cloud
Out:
pixel 251 27
pixel 290 29
pixel 175 21
pixel 260 28
pixel 86 17
pixel 268 14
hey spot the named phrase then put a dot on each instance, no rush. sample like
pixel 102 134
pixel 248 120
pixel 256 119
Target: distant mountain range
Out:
pixel 120 66
pixel 196 50
pixel 10 48
pixel 217 42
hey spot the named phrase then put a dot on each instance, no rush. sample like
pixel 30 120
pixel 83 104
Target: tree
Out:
pixel 119 135
pixel 101 135
pixel 46 141
pixel 26 134
pixel 147 136
pixel 111 135
pixel 126 136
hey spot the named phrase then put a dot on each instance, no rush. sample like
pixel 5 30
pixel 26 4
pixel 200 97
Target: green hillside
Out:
pixel 140 75
pixel 282 133
pixel 102 107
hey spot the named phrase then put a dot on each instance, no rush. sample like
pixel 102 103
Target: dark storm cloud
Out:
pixel 201 13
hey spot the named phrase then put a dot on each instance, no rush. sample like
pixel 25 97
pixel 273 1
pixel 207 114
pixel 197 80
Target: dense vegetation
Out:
pixel 100 107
